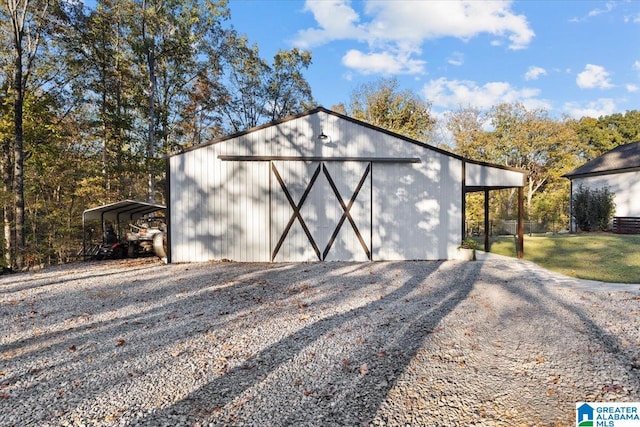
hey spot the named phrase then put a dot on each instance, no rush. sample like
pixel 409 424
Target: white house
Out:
pixel 619 171
pixel 321 186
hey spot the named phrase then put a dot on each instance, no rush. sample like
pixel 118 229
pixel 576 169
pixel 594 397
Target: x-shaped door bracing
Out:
pixel 296 211
pixel 346 208
pixel 346 214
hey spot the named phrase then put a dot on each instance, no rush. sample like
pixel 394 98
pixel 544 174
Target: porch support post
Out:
pixel 520 244
pixel 486 220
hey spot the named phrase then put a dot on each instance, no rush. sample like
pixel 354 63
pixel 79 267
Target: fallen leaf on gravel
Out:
pixel 72 348
pixel 364 369
pixel 346 362
pixel 304 317
pixel 2 373
pixel 120 343
pixel 308 392
pixel 539 359
pixel 550 391
pixel 5 396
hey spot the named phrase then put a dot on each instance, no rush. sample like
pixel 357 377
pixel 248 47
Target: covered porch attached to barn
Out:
pixel 482 177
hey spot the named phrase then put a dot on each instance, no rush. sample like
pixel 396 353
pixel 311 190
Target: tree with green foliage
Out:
pixel 593 208
pixel 466 126
pixel 382 104
pixel 27 24
pixel 103 92
pixel 528 139
pixel 258 92
pixel 597 136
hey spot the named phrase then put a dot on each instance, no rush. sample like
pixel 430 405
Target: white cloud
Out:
pixel 594 76
pixel 609 6
pixel 397 29
pixel 600 107
pixel 337 21
pixel 632 87
pixel 456 59
pixel 382 63
pixel 451 94
pixel 636 65
pixel 534 73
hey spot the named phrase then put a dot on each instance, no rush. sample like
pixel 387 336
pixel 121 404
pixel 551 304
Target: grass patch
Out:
pixel 604 257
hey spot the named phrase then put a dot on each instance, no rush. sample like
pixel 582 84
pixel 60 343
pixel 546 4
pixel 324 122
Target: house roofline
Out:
pixel 600 173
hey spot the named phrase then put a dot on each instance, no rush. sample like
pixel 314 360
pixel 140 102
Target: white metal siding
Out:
pixel 417 209
pixel 488 176
pixel 218 209
pixel 237 209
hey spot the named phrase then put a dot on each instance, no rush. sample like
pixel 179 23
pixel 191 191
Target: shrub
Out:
pixel 593 209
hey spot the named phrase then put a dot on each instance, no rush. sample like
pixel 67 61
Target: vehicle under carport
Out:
pixel 128 228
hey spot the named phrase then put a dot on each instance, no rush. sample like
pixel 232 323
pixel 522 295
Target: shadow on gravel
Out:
pixel 356 401
pixel 530 287
pixel 78 342
pixel 33 280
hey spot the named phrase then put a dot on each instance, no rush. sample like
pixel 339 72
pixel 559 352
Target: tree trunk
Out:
pixel 151 63
pixel 149 45
pixel 18 171
pixel 7 205
pixel 17 18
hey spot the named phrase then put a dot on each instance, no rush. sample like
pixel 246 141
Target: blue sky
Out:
pixel 579 58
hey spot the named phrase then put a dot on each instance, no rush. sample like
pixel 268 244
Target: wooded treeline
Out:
pixel 547 148
pixel 91 99
pixel 507 134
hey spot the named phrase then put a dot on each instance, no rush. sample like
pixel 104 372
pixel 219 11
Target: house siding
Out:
pixel 625 186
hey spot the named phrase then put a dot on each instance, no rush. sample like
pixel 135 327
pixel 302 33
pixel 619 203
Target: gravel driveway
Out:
pixel 496 342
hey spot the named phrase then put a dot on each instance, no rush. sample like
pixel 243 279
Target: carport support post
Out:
pixel 486 220
pixel 520 243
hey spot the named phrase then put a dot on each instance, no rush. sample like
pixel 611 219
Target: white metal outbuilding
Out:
pixel 321 186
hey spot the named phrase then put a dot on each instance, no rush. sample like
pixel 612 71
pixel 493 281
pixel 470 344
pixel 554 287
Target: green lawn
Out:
pixel 595 256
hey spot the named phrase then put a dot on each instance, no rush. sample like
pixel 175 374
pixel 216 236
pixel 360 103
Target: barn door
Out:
pixel 320 211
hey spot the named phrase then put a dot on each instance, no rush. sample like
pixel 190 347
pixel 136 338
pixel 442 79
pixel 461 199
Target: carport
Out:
pixel 118 214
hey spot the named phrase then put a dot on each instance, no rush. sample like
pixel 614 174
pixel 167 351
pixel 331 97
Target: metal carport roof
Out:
pixel 129 209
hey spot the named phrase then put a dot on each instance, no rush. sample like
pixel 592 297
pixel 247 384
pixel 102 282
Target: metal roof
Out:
pixel 619 159
pixel 129 209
